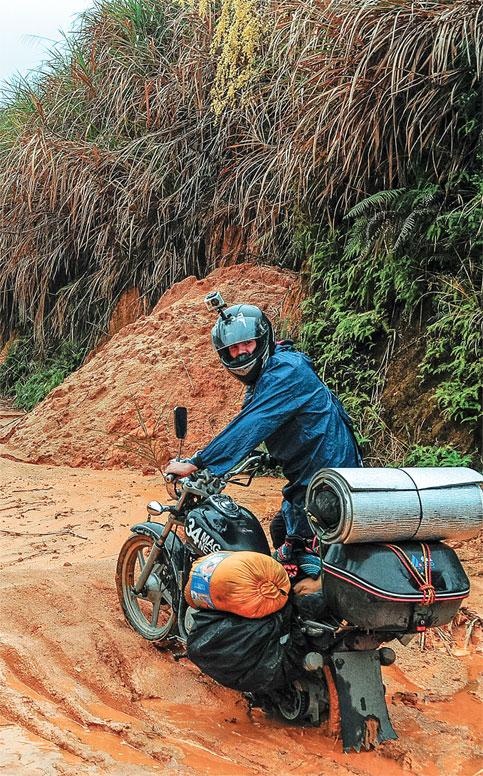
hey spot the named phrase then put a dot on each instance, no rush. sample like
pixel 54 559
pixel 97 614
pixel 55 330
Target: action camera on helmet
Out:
pixel 215 301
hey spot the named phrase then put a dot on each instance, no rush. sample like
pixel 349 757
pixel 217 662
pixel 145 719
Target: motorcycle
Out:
pixel 155 561
pixel 347 626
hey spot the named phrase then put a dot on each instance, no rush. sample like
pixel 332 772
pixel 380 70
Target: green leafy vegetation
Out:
pixel 453 352
pixel 29 376
pixel 427 455
pixel 410 257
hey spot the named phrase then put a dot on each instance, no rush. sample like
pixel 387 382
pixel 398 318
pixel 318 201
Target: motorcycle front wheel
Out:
pixel 152 613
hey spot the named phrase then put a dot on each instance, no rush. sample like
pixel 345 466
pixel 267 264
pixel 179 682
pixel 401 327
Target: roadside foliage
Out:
pixel 340 140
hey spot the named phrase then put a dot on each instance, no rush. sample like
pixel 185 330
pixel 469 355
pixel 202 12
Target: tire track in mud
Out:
pixel 56 688
pixel 97 692
pixel 47 692
pixel 94 690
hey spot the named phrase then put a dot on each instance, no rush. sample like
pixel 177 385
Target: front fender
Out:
pixel 173 544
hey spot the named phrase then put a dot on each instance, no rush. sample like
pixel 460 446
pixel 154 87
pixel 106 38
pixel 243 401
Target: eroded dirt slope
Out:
pixel 158 361
pixel 81 693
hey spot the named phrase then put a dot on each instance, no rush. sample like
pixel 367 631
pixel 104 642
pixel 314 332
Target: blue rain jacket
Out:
pixel 302 423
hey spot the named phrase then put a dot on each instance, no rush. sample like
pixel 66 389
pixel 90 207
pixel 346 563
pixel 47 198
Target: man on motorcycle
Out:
pixel 287 406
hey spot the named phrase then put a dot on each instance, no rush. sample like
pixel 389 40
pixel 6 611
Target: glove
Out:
pixel 283 553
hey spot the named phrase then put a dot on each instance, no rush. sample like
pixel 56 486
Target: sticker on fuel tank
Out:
pixel 198 536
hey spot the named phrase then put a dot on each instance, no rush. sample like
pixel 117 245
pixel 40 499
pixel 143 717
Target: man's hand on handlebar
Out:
pixel 180 469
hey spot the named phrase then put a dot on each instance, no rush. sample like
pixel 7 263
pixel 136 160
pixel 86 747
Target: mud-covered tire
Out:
pixel 293 705
pixel 152 614
pixel 304 702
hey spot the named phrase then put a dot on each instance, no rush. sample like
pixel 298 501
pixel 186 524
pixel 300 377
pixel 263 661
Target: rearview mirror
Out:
pixel 180 422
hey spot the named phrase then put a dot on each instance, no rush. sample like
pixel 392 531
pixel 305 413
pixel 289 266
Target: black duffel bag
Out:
pixel 249 655
pixel 397 587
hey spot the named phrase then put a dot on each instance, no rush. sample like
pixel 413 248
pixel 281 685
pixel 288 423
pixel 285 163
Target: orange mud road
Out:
pixel 81 693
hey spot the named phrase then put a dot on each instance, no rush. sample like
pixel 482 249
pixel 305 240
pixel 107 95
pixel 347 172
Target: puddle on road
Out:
pixel 240 737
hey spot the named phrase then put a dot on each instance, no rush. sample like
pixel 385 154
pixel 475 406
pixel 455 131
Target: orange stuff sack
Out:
pixel 249 584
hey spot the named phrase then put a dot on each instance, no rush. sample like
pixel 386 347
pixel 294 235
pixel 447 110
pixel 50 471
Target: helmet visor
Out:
pixel 239 328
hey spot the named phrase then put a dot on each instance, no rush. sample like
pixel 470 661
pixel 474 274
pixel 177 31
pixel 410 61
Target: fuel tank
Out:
pixel 219 523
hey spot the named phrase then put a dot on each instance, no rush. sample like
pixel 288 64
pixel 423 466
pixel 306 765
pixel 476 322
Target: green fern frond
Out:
pixel 375 225
pixel 430 197
pixel 380 198
pixel 407 230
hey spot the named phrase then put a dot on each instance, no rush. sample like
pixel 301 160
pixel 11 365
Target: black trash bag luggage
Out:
pixel 248 655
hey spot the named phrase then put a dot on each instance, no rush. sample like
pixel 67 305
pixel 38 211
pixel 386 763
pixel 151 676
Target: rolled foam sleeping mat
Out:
pixel 385 505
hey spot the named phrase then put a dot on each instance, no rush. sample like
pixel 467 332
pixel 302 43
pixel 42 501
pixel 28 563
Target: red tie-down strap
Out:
pixel 424 581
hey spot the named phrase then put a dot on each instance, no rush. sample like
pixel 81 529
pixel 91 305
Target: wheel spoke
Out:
pixel 155 614
pixel 141 559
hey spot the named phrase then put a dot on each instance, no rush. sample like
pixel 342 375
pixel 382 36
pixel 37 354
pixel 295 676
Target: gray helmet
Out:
pixel 240 323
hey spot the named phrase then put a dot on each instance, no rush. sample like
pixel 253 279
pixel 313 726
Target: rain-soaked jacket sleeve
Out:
pixel 279 394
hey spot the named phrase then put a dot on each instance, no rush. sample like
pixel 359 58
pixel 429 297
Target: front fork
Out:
pixel 152 558
pixel 182 604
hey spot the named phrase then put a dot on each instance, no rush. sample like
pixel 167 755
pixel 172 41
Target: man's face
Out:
pixel 242 348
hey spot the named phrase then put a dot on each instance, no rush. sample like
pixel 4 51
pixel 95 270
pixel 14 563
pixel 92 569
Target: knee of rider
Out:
pixel 277 530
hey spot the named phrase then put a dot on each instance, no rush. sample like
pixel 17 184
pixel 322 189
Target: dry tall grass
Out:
pixel 115 171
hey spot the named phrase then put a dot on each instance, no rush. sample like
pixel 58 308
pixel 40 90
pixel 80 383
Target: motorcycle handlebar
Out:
pixel 264 459
pixel 173 477
pixel 257 459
